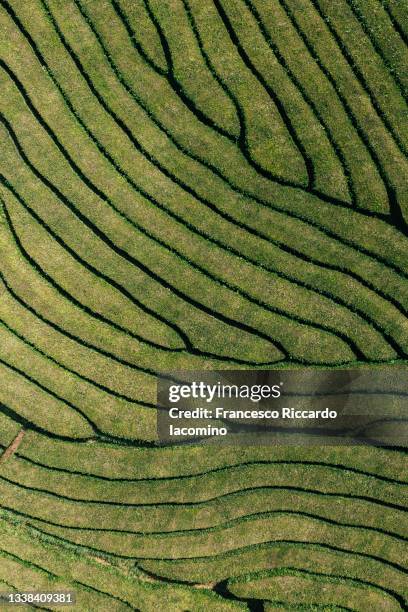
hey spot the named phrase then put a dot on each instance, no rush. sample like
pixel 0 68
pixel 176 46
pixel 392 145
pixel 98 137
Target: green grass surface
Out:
pixel 185 184
pixel 310 588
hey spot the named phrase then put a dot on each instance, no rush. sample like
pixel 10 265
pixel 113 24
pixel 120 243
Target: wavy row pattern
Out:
pixel 192 184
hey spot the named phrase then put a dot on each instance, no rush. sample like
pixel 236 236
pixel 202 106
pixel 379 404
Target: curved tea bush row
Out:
pixel 314 587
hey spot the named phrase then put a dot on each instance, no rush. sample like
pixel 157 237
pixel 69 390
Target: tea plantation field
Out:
pixel 207 185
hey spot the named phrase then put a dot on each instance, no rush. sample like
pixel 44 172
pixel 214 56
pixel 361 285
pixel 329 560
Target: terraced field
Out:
pixel 198 184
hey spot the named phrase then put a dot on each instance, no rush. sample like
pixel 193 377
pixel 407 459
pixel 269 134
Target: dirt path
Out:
pixel 13 446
